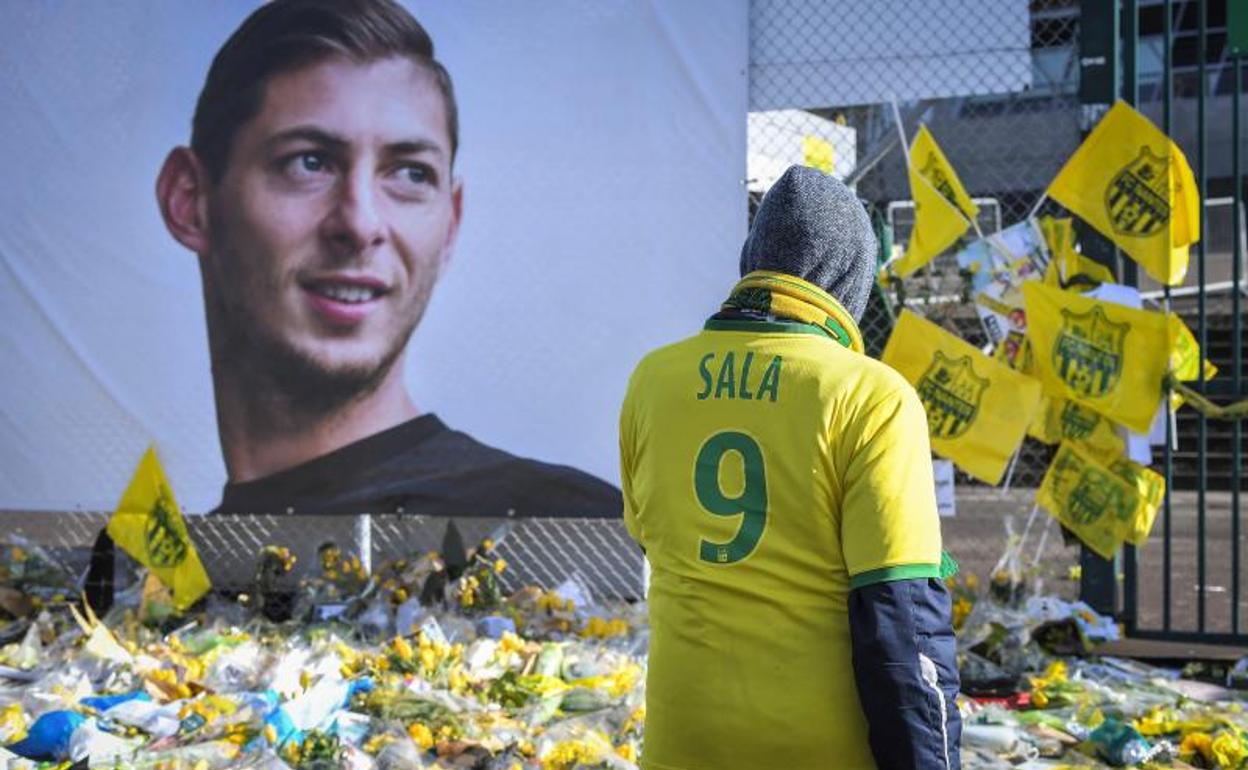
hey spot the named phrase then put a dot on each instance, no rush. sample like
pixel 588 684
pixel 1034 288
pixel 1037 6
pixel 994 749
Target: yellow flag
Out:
pixel 148 525
pixel 1101 355
pixel 1150 489
pixel 1185 353
pixel 942 208
pixel 1130 182
pixel 818 153
pixel 1065 263
pixel 1088 499
pixel 977 408
pixel 1060 420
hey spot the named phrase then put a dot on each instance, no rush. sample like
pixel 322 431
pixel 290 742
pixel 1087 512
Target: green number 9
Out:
pixel 751 504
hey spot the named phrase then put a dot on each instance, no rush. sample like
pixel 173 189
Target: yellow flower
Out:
pixel 458 680
pixel 377 742
pixel 1196 744
pixel 428 659
pixel 1228 750
pixel 421 735
pixel 971 580
pixel 499 566
pixel 626 751
pixel 510 643
pixel 402 648
pixel 566 755
pixel 270 734
pixel 961 609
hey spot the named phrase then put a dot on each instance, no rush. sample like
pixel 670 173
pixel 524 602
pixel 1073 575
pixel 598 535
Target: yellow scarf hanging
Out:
pixel 790 297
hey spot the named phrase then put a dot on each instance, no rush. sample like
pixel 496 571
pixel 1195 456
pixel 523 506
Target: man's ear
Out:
pixel 452 230
pixel 182 194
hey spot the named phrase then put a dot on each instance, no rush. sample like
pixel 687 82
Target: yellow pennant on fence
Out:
pixel 1065 263
pixel 943 210
pixel 1130 182
pixel 1185 358
pixel 1150 488
pixel 1088 499
pixel 1185 353
pixel 1060 420
pixel 148 525
pixel 1105 356
pixel 977 408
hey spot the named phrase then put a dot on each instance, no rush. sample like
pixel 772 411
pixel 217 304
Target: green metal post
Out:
pixel 1099 46
pixel 1237 325
pixel 1202 331
pixel 1130 271
pixel 1167 89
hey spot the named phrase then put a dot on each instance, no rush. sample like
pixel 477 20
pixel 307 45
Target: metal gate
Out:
pixel 1181 62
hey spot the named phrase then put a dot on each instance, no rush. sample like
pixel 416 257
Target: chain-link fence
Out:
pixel 597 553
pixel 994 81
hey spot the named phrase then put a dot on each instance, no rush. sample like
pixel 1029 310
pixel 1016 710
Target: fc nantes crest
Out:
pixel 950 391
pixel 1136 199
pixel 935 174
pixel 1078 422
pixel 163 534
pixel 1088 352
pixel 1094 496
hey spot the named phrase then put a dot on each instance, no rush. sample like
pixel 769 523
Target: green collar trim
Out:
pixel 773 327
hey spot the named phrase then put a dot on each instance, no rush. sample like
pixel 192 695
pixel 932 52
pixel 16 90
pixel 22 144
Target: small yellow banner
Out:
pixel 1104 504
pixel 1066 265
pixel 1088 499
pixel 1060 420
pixel 943 210
pixel 1130 182
pixel 977 409
pixel 148 525
pixel 1107 357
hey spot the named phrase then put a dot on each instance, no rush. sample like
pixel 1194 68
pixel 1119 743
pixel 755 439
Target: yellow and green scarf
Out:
pixel 785 296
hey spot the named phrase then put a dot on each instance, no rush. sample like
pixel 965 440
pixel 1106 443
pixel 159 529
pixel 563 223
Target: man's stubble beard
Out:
pixel 285 387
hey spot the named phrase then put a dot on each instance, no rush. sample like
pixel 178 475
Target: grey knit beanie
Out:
pixel 812 226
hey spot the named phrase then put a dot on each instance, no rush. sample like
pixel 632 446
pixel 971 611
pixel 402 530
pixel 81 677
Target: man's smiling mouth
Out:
pixel 339 292
pixel 347 289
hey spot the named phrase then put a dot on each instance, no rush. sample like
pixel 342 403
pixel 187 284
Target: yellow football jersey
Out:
pixel 767 470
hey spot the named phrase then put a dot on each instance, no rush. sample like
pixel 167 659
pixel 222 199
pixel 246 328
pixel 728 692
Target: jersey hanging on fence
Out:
pixel 148 525
pixel 1130 182
pixel 978 409
pixel 943 210
pixel 1105 356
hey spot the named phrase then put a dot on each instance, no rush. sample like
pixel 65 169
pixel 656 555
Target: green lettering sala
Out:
pixel 733 379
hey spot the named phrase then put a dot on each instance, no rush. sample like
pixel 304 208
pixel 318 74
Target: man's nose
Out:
pixel 355 224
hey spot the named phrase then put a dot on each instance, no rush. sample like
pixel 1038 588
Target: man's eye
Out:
pixel 415 175
pixel 306 164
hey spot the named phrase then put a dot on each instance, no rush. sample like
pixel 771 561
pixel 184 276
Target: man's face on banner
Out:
pixel 334 217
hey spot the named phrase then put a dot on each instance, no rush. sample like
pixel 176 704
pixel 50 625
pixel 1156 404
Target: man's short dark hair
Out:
pixel 283 35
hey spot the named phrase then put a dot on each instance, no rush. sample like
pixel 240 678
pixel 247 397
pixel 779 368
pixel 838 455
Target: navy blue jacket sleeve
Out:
pixel 905 666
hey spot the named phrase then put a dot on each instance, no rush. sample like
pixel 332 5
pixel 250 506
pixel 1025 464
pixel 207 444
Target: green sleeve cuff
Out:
pixel 899 572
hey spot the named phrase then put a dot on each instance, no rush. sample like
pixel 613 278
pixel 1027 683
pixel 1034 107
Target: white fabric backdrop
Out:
pixel 603 153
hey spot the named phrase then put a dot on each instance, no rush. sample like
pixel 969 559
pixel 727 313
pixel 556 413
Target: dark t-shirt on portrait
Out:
pixel 423 467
